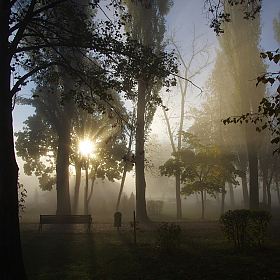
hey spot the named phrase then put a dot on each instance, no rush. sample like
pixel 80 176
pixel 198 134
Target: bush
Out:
pixel 245 227
pixel 155 207
pixel 168 237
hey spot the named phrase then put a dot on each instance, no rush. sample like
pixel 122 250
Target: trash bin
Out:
pixel 118 219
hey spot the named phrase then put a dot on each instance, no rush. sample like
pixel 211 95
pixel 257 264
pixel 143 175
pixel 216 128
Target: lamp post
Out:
pixel 86 148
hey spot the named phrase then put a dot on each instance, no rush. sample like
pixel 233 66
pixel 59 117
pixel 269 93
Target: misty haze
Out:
pixel 140 139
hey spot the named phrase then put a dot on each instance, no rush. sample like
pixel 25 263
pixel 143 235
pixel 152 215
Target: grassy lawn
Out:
pixel 203 254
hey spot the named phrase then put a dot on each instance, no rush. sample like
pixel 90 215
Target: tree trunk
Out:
pixel 177 177
pixel 223 199
pixel 141 210
pixel 178 196
pixel 277 190
pixel 62 167
pixel 268 197
pixel 86 192
pixel 125 167
pixel 231 195
pixel 78 168
pixel 253 166
pixel 202 205
pixel 243 168
pixel 264 198
pixel 11 264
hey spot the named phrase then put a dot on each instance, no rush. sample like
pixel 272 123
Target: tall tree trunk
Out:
pixel 11 264
pixel 62 167
pixel 243 167
pixel 202 205
pixel 178 195
pixel 177 177
pixel 125 166
pixel 141 210
pixel 78 168
pixel 253 166
pixel 268 197
pixel 231 196
pixel 86 192
pixel 264 198
pixel 277 190
pixel 223 199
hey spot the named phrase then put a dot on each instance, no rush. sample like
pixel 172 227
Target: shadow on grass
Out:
pixel 60 255
pixel 203 254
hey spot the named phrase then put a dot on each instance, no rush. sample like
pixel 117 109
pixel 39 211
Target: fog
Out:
pixel 209 65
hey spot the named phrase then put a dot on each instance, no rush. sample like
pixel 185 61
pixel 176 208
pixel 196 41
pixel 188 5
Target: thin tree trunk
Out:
pixel 202 205
pixel 268 197
pixel 231 195
pixel 78 168
pixel 125 167
pixel 243 167
pixel 277 190
pixel 223 199
pixel 11 264
pixel 86 191
pixel 264 198
pixel 141 210
pixel 253 167
pixel 178 196
pixel 177 177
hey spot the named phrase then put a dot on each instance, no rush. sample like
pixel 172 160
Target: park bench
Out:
pixel 65 219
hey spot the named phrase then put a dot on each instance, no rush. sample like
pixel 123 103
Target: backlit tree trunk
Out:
pixel 62 167
pixel 141 211
pixel 11 263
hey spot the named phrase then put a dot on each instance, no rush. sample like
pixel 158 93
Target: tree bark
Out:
pixel 231 195
pixel 223 199
pixel 243 167
pixel 62 167
pixel 253 167
pixel 78 168
pixel 141 210
pixel 11 264
pixel 202 205
pixel 86 191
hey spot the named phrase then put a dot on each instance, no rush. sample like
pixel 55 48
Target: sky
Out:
pixel 183 16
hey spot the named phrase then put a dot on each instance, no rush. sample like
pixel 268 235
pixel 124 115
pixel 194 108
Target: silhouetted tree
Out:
pixel 147 25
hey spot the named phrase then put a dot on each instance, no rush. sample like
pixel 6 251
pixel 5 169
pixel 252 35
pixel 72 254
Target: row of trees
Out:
pixel 232 91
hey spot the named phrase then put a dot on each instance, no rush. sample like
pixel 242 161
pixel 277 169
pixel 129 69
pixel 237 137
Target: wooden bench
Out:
pixel 65 219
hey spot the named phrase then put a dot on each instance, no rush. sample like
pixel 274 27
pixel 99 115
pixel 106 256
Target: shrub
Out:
pixel 168 237
pixel 155 207
pixel 259 223
pixel 245 227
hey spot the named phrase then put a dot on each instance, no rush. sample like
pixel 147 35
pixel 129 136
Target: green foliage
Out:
pixel 168 237
pixel 219 14
pixel 155 207
pixel 22 195
pixel 202 167
pixel 245 227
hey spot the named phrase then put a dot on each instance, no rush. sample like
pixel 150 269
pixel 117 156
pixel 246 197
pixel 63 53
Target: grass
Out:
pixel 203 254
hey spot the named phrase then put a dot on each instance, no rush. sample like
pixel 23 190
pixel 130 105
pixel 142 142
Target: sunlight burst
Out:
pixel 86 147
